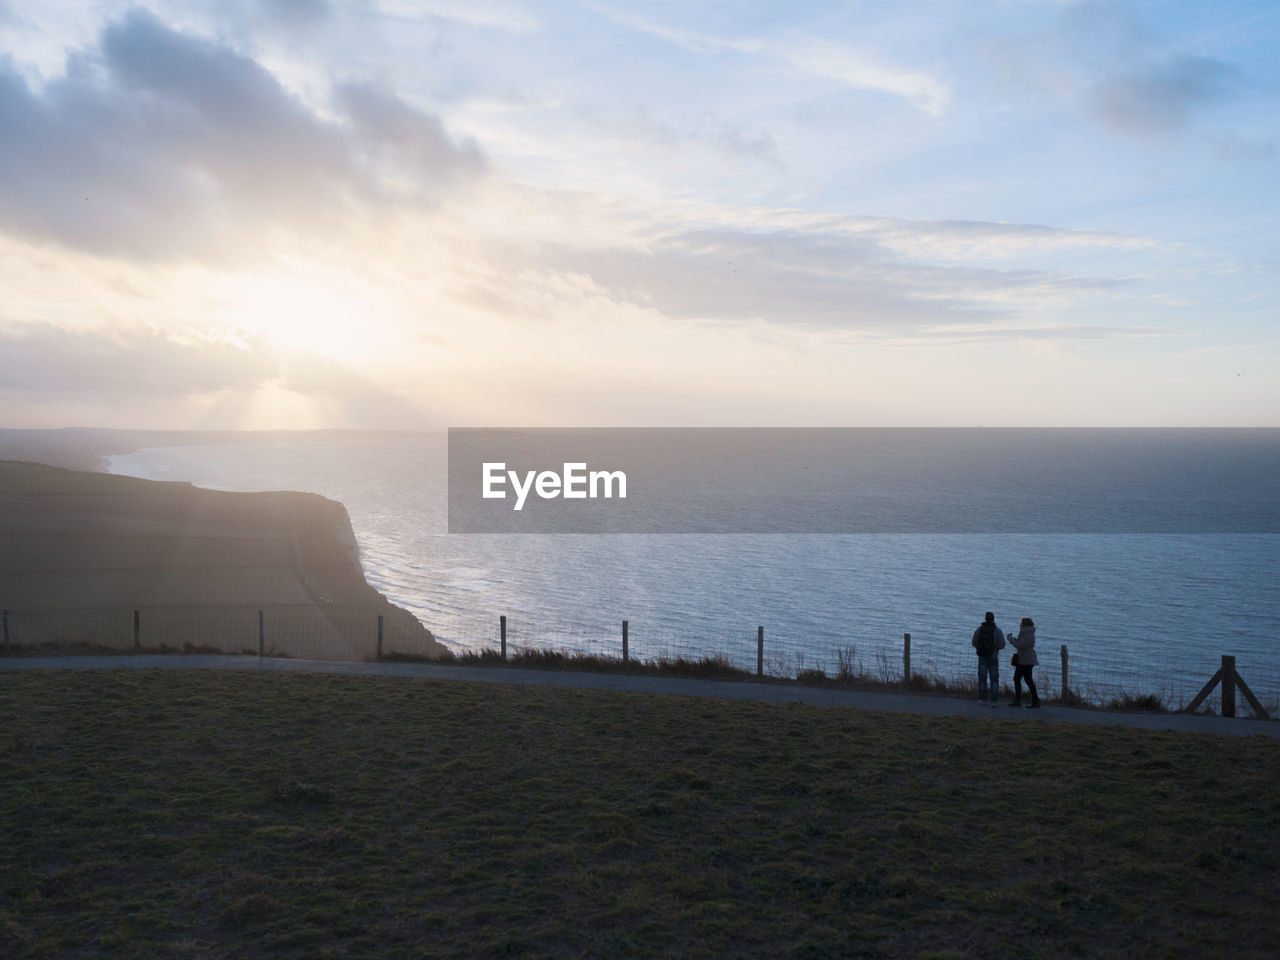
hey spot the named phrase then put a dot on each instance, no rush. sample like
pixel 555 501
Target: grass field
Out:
pixel 193 814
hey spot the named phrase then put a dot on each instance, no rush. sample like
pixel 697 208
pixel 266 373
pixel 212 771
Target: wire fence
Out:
pixel 1093 674
pixel 305 631
pixel 1097 672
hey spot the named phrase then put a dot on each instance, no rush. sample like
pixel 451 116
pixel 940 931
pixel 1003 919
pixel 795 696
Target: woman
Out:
pixel 1025 643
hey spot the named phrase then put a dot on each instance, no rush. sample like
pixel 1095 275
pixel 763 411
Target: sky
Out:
pixel 382 213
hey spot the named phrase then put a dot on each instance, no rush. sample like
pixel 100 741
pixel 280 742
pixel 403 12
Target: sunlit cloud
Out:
pixel 123 364
pixel 158 144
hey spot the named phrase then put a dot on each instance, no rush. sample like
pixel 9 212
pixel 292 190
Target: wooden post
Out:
pixel 759 651
pixel 1066 685
pixel 1258 711
pixel 626 654
pixel 137 631
pixel 906 657
pixel 1228 686
pixel 262 636
pixel 1229 679
pixel 6 630
pixel 1204 692
pixel 502 629
pixel 379 636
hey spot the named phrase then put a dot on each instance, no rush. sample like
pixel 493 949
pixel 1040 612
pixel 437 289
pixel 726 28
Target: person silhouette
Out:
pixel 1024 660
pixel 988 641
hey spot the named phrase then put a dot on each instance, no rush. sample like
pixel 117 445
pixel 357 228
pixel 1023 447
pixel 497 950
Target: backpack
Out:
pixel 986 640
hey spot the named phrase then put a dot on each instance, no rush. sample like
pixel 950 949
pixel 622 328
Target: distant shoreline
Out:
pixel 86 448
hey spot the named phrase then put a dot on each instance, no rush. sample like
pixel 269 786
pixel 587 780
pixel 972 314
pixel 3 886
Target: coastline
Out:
pixel 569 596
pixel 119 561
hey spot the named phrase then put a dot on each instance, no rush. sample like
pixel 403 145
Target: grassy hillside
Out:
pixel 80 551
pixel 185 814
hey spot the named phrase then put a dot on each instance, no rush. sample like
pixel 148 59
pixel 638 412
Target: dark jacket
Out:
pixel 999 638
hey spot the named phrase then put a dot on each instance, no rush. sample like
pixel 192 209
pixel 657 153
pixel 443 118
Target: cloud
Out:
pixel 297 14
pixel 636 125
pixel 959 334
pixel 476 13
pixel 689 40
pixel 1160 99
pixel 734 141
pixel 958 239
pixel 1106 62
pixel 837 279
pixel 121 365
pixel 400 142
pixel 1238 149
pixel 822 58
pixel 158 144
pixel 130 363
pixel 1061 332
pixel 857 69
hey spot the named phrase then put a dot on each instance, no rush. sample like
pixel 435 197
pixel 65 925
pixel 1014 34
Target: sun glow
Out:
pixel 299 312
pixel 276 407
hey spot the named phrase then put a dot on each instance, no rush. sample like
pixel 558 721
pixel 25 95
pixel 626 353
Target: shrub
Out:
pixel 847 667
pixel 1146 703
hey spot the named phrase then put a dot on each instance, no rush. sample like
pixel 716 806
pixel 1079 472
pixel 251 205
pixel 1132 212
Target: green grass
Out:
pixel 209 814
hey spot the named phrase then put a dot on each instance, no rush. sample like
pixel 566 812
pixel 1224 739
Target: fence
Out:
pixel 309 631
pixel 1096 674
pixel 344 632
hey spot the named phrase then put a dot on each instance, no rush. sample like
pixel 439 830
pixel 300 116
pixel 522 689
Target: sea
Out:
pixel 1131 613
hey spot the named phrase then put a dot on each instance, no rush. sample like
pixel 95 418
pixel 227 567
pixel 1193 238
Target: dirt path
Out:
pixel 676 686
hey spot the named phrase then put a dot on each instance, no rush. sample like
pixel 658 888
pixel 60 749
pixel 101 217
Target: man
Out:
pixel 988 641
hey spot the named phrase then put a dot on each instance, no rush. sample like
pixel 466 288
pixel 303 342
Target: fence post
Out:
pixel 502 628
pixel 6 630
pixel 626 654
pixel 379 636
pixel 906 657
pixel 1066 683
pixel 137 631
pixel 262 636
pixel 760 651
pixel 1229 679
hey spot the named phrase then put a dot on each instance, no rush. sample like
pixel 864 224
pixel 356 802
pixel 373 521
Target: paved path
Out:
pixel 677 686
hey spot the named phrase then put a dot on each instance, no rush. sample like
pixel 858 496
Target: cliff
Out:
pixel 79 552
